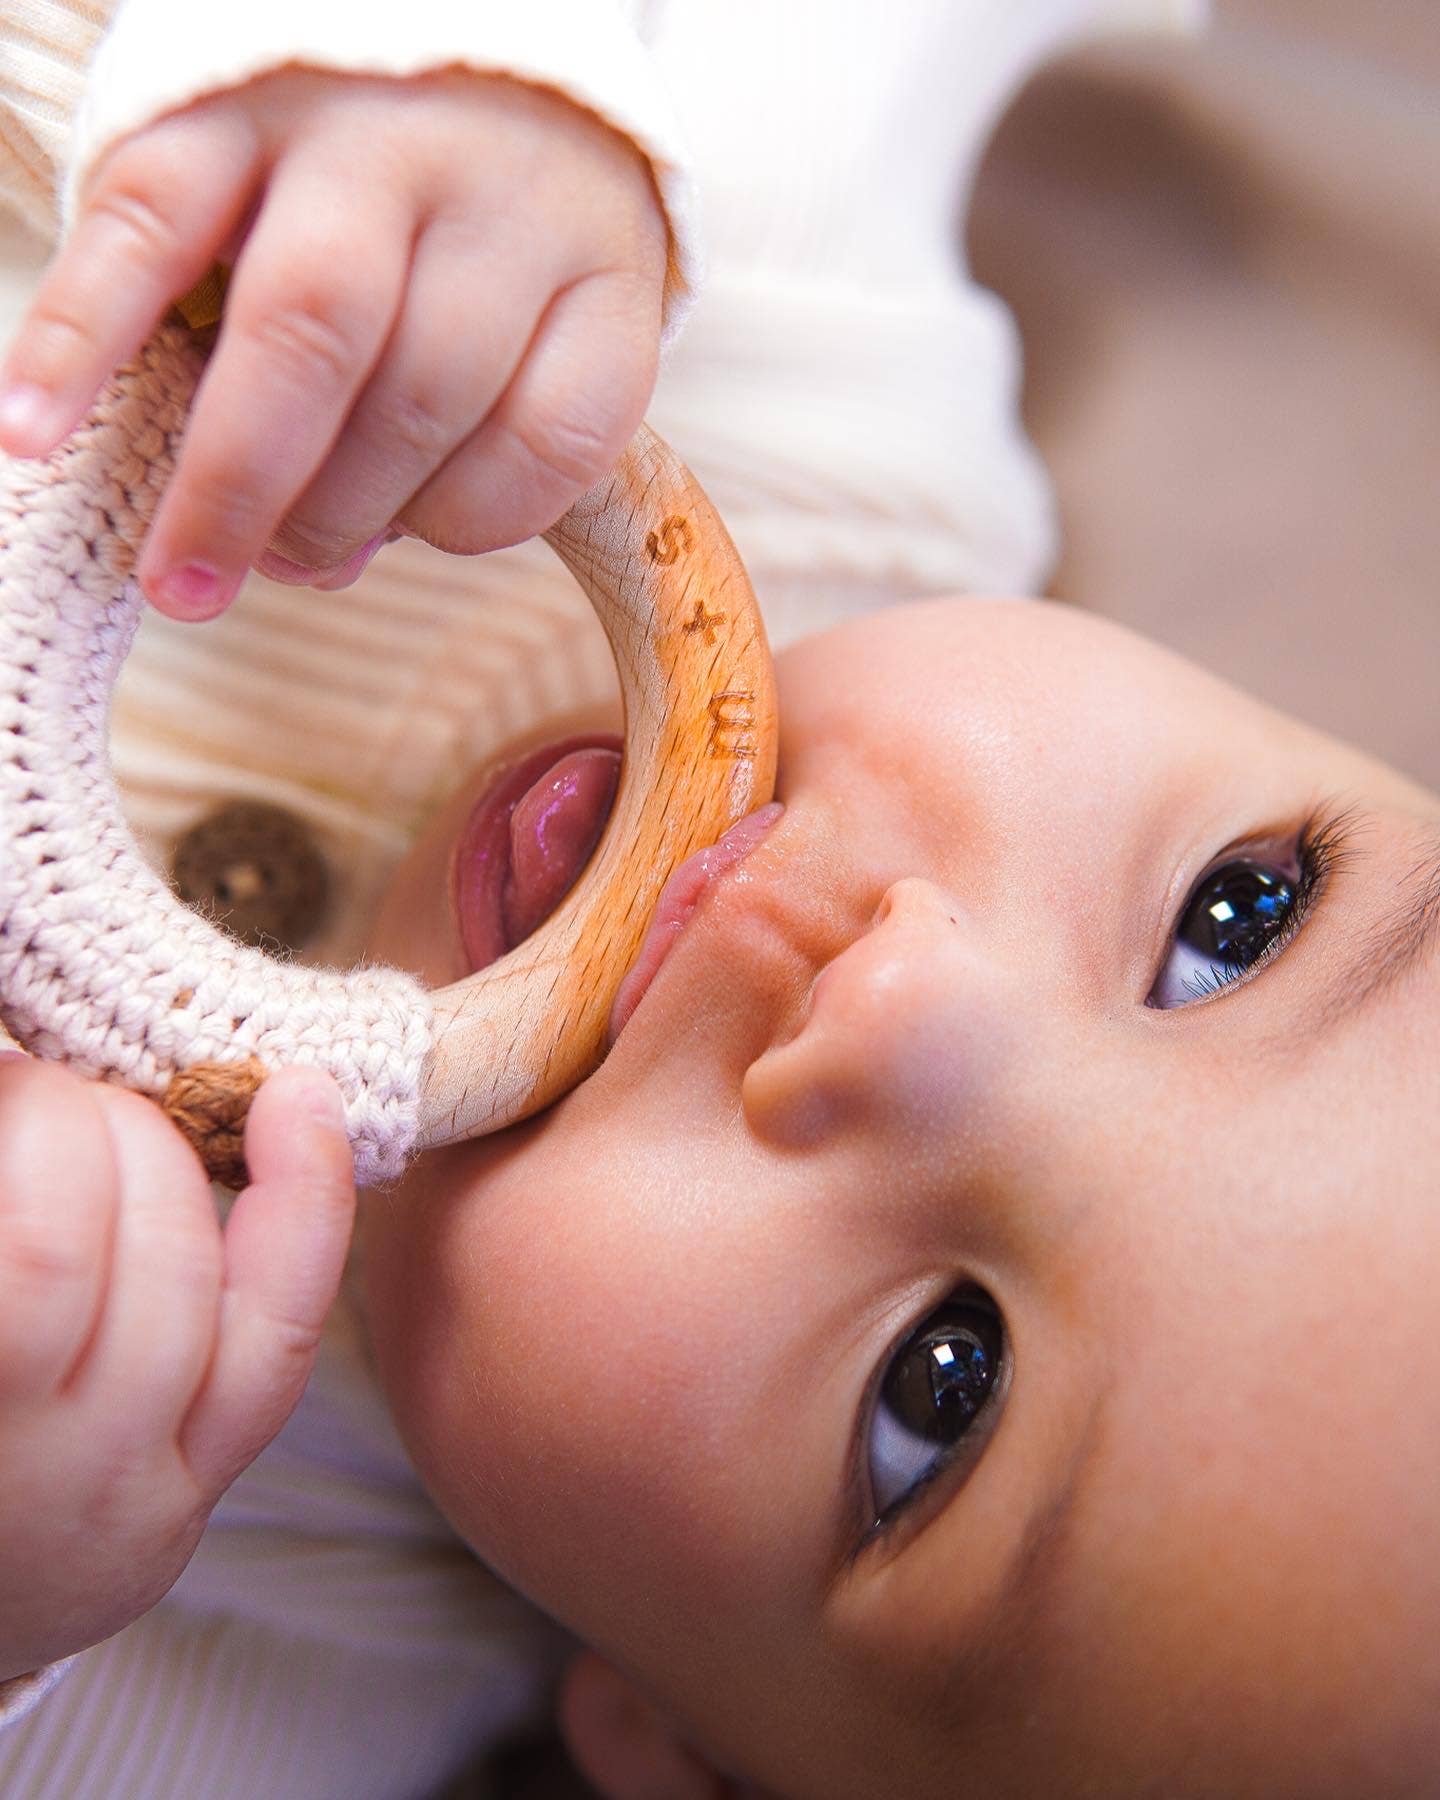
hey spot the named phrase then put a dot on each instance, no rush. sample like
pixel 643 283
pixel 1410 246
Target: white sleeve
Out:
pixel 21 1696
pixel 162 54
pixel 45 50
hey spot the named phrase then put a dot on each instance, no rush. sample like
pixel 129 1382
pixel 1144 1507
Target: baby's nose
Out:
pixel 921 904
pixel 910 1029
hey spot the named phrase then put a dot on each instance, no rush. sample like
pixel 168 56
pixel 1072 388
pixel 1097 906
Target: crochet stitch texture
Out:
pixel 101 967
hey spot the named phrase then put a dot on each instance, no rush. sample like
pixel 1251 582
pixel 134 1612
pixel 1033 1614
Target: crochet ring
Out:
pixel 102 968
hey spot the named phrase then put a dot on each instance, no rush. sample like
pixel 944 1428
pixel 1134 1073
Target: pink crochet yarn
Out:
pixel 100 966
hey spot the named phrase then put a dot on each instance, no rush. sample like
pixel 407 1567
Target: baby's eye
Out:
pixel 937 1384
pixel 1237 915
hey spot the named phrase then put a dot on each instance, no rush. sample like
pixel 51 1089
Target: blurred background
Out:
pixel 1225 260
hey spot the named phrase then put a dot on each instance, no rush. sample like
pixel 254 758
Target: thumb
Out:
pixel 286 1242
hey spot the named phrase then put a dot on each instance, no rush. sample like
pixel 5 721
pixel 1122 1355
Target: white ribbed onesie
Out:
pixel 848 398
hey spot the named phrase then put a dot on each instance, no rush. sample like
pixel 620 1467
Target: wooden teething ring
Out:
pixel 101 967
pixel 659 568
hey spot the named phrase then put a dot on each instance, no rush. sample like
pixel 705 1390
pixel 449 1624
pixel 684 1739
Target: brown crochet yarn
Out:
pixel 257 872
pixel 208 1104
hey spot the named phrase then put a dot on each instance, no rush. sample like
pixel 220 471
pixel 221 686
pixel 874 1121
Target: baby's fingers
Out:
pixel 285 1247
pixel 470 307
pixel 153 219
pixel 152 1343
pixel 58 1196
pixel 311 302
pixel 572 407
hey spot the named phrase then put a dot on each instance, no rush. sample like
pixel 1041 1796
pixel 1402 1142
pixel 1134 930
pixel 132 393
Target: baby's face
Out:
pixel 947 1348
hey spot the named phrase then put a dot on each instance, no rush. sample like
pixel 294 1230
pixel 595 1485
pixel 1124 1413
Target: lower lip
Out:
pixel 678 900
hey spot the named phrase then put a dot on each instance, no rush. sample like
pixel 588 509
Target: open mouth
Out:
pixel 527 840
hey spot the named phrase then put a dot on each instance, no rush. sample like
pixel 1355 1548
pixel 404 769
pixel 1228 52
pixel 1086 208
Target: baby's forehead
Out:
pixel 930 676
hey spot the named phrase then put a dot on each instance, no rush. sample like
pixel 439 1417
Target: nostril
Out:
pixel 914 896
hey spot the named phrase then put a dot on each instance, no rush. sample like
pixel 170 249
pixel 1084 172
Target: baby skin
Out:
pixel 975 1334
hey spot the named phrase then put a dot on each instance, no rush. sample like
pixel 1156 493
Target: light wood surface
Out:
pixel 700 746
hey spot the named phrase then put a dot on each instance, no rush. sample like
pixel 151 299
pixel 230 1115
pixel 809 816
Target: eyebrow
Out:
pixel 1401 940
pixel 956 1680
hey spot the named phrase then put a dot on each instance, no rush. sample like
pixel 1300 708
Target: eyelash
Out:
pixel 905 1513
pixel 1322 847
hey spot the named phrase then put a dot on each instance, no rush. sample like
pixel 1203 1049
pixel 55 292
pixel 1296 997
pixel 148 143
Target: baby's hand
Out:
pixel 144 1358
pixel 444 316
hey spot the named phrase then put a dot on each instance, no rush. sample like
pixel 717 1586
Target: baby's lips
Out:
pixel 678 900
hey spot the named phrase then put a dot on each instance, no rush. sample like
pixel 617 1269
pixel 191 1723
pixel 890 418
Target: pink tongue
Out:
pixel 553 829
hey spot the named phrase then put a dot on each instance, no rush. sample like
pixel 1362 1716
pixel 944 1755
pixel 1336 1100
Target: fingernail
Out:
pixel 9 1056
pixel 195 590
pixel 326 581
pixel 329 580
pixel 280 568
pixel 27 419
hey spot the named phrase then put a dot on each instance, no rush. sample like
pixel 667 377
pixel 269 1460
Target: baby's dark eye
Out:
pixel 937 1384
pixel 1236 915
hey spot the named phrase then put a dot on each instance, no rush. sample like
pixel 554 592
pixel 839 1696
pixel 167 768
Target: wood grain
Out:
pixel 700 746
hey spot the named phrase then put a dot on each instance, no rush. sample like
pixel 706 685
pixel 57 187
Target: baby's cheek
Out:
pixel 407 1236
pixel 443 1278
pixel 497 1336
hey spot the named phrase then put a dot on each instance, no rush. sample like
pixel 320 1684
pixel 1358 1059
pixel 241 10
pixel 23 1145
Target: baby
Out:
pixel 980 1316
pixel 714 1360
pixel 976 1330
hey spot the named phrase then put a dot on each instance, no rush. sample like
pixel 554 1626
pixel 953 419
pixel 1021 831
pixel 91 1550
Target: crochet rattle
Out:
pixel 102 968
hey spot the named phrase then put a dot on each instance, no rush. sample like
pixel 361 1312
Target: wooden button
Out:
pixel 256 871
